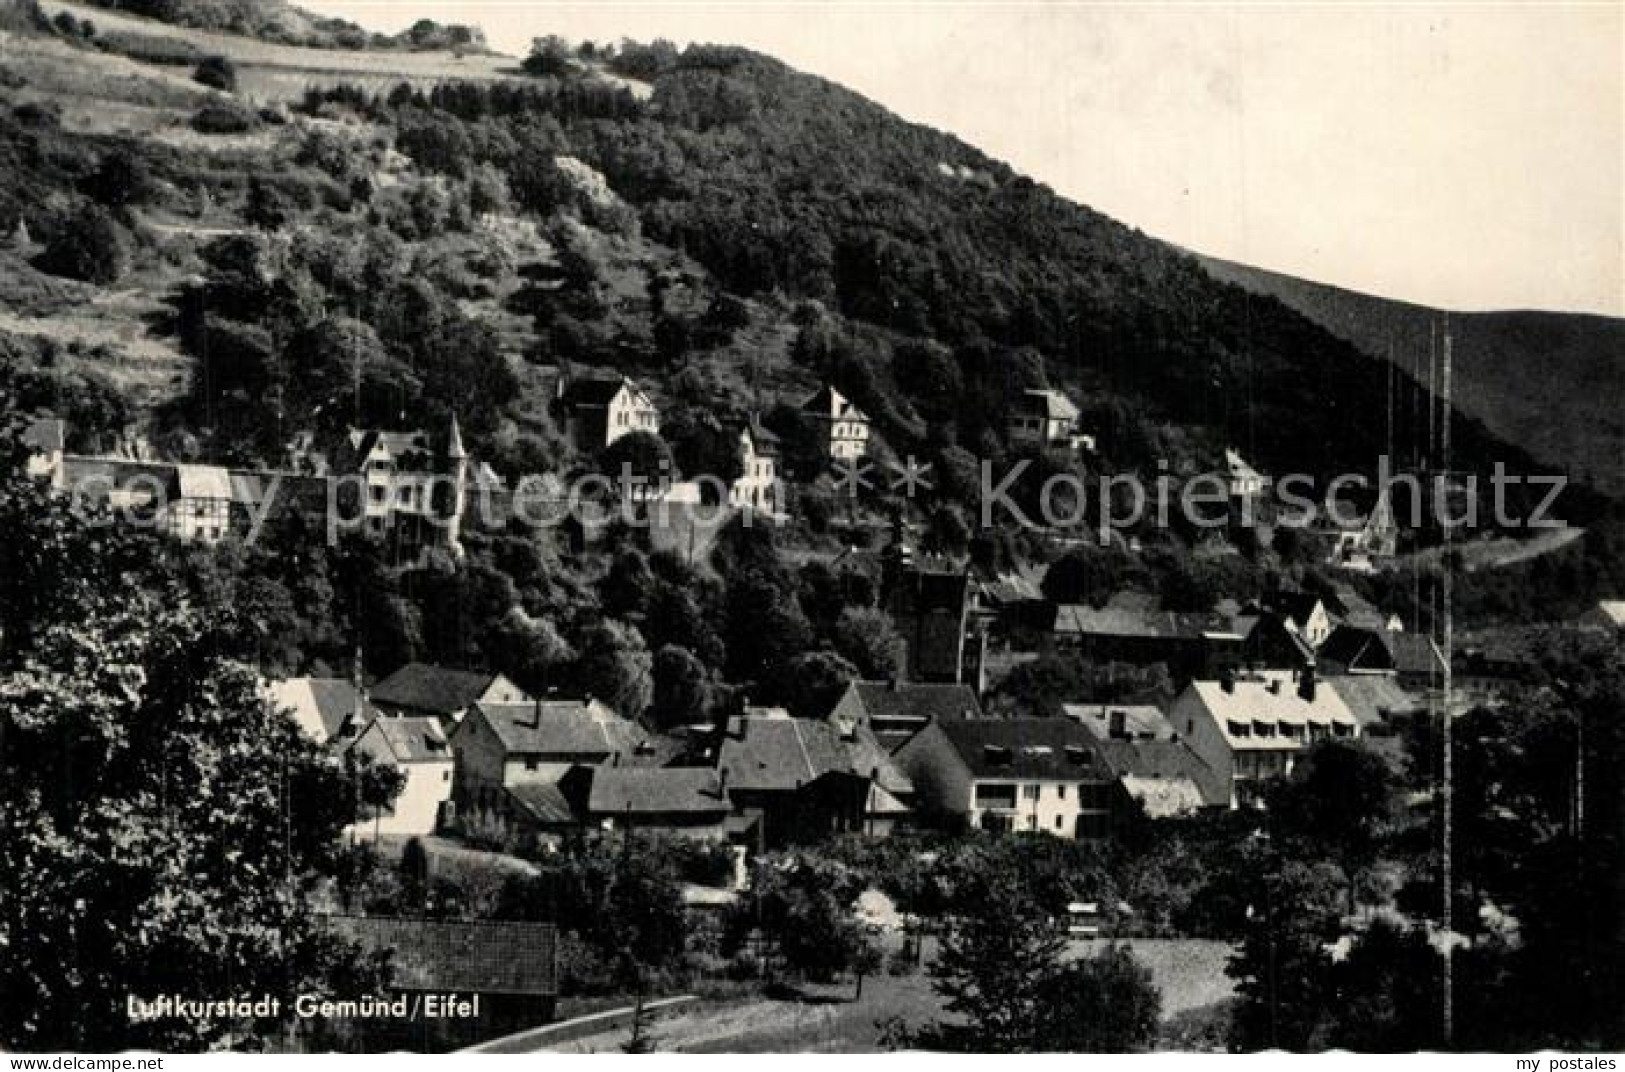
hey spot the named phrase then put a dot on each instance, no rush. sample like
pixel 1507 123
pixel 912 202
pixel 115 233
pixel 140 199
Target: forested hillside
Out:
pixel 1513 370
pixel 866 249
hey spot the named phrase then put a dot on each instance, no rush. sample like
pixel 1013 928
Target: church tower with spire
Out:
pixel 457 469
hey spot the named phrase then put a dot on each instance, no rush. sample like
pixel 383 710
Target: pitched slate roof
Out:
pixel 1273 702
pixel 471 956
pixel 1374 697
pixel 914 702
pixel 1129 614
pixel 767 750
pixel 1298 606
pixel 1008 588
pixel 1139 720
pixel 562 727
pixel 1150 771
pixel 1414 653
pixel 1613 610
pixel 131 481
pixel 543 801
pixel 1038 748
pixel 1356 648
pixel 203 482
pixel 830 404
pixel 762 438
pixel 1381 649
pixel 414 739
pixel 409 450
pixel 1238 469
pixel 321 705
pixel 657 791
pixel 439 689
pixel 1048 404
pixel 1354 608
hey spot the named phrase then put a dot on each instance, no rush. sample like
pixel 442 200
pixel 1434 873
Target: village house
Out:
pixel 510 966
pixel 510 761
pixel 1132 629
pixel 1271 641
pixel 416 747
pixel 1252 729
pixel 1007 775
pixel 801 779
pixel 1009 604
pixel 679 801
pixel 199 507
pixel 1045 418
pixel 416 490
pixel 1242 481
pixel 1414 659
pixel 1378 701
pixel 844 428
pixel 1304 612
pixel 46 438
pixel 757 486
pixel 1121 722
pixel 441 692
pixel 326 708
pixel 1164 777
pixel 1608 616
pixel 149 494
pixel 397 471
pixel 1360 544
pixel 1348 607
pixel 896 710
pixel 599 410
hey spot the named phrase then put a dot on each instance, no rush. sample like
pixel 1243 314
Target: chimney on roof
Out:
pixel 1227 680
pixel 536 714
pixel 1306 684
pixel 1274 686
pixel 1117 725
pixel 894 683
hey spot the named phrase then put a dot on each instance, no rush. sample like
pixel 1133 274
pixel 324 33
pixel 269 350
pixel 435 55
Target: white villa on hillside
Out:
pixel 846 427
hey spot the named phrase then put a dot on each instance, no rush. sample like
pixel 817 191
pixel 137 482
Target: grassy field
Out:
pixel 1190 975
pixel 270 72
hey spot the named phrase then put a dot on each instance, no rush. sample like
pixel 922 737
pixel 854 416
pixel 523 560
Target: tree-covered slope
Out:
pixel 1549 382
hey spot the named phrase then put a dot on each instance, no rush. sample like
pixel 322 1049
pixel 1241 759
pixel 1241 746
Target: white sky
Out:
pixel 1466 155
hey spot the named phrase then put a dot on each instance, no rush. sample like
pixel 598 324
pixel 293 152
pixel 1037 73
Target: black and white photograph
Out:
pixel 907 527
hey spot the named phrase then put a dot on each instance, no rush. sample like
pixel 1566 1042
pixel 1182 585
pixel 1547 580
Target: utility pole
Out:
pixel 1448 911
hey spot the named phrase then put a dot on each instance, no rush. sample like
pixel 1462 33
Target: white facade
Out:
pixel 630 411
pixel 1244 481
pixel 1252 730
pixel 418 748
pixel 756 488
pixel 199 509
pixel 1066 799
pixel 397 471
pixel 1031 804
pixel 847 427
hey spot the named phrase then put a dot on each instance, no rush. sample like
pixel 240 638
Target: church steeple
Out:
pixel 454 443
